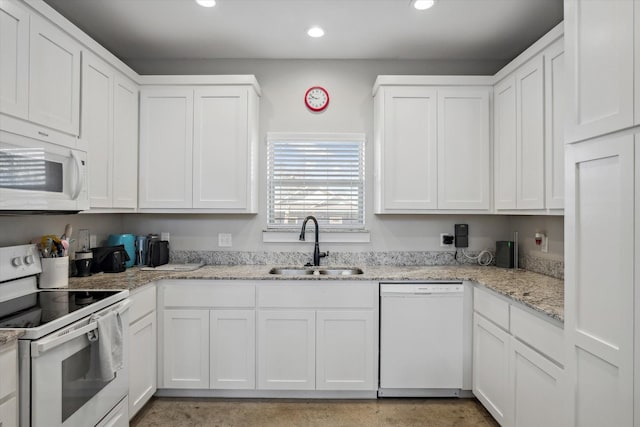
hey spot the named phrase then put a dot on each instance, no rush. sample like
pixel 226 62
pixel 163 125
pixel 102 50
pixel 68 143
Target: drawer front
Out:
pixel 491 307
pixel 209 294
pixel 144 302
pixel 545 337
pixel 320 295
pixel 9 370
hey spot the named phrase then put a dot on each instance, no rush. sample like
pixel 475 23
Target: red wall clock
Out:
pixel 316 98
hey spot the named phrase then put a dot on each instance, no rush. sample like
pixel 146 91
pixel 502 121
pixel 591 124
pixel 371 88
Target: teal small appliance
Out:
pixel 129 242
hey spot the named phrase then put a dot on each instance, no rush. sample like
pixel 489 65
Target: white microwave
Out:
pixel 40 176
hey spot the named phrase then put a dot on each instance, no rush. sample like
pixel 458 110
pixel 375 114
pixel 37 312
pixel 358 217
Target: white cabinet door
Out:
pixel 490 367
pixel 463 149
pixel 530 129
pixel 599 302
pixel 97 128
pixel 166 145
pixel 408 156
pixel 221 150
pixel 186 349
pixel 345 350
pixel 536 393
pixel 505 136
pixel 554 86
pixel 125 143
pixel 14 59
pixel 286 350
pixel 9 413
pixel 599 63
pixel 142 362
pixel 232 349
pixel 54 77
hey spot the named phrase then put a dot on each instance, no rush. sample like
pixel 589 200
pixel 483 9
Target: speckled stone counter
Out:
pixel 541 293
pixel 7 337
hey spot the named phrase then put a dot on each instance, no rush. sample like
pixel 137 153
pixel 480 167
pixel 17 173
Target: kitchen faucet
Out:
pixel 316 251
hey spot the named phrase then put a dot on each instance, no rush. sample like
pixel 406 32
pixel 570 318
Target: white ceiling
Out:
pixel 355 29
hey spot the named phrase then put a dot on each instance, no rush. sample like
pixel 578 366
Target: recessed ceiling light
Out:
pixel 423 4
pixel 315 32
pixel 206 3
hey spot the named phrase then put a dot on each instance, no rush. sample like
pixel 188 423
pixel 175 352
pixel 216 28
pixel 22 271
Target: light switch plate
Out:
pixel 225 240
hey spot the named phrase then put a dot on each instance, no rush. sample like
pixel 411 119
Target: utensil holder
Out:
pixel 55 273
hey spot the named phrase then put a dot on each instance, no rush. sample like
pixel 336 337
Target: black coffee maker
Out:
pixel 83 263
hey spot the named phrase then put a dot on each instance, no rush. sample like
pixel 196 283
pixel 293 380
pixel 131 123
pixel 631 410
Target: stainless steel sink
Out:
pixel 321 271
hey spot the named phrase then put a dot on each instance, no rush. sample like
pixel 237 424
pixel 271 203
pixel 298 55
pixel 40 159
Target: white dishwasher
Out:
pixel 421 339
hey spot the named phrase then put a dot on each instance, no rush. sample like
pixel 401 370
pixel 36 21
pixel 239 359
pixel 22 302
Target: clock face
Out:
pixel 316 98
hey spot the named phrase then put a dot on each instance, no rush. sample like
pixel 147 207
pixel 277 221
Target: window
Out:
pixel 315 174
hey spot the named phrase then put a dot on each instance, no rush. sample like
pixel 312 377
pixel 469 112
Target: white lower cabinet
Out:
pixel 286 350
pixel 9 413
pixel 490 367
pixel 9 385
pixel 344 360
pixel 142 362
pixel 186 349
pixel 517 366
pixel 232 349
pixel 536 388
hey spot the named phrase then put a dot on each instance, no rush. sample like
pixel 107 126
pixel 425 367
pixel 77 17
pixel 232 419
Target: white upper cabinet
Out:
pixel 432 146
pixel 54 77
pixel 530 135
pixel 504 139
pixel 555 88
pixel 207 137
pixel 14 59
pixel 463 149
pixel 109 132
pixel 407 156
pixel 600 56
pixel 166 144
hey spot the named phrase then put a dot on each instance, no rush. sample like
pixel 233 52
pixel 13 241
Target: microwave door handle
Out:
pixel 42 346
pixel 77 187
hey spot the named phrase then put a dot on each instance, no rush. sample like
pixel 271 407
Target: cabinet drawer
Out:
pixel 209 294
pixel 491 307
pixel 144 302
pixel 318 295
pixel 9 370
pixel 540 334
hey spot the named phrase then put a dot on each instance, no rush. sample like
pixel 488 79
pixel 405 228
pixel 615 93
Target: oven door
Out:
pixel 38 175
pixel 62 391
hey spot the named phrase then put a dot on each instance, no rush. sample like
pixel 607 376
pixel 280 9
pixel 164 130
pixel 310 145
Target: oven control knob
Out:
pixel 16 262
pixel 29 259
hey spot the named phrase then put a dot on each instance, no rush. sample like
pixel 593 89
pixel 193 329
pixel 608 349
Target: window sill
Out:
pixel 292 236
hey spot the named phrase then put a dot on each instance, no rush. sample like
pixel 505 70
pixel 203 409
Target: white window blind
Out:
pixel 320 175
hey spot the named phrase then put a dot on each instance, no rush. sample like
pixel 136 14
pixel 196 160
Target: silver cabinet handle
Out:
pixel 42 134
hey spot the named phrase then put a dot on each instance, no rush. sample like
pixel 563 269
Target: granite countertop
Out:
pixel 541 293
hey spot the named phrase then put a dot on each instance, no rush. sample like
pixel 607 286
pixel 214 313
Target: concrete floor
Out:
pixel 182 412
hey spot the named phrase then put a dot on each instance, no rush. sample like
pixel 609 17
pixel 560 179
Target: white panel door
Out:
pixel 54 77
pixel 142 362
pixel 345 350
pixel 491 367
pixel 286 350
pixel 14 59
pixel 599 64
pixel 233 349
pixel 409 153
pixel 97 128
pixel 504 143
pixel 537 389
pixel 166 144
pixel 530 128
pixel 599 226
pixel 463 149
pixel 555 104
pixel 125 143
pixel 185 337
pixel 221 149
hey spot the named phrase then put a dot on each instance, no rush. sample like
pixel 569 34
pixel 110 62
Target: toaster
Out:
pixel 158 253
pixel 109 259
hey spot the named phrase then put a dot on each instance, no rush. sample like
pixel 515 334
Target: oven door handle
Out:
pixel 40 347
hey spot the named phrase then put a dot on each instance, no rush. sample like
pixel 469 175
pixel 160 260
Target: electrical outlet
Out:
pixel 446 240
pixel 225 240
